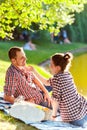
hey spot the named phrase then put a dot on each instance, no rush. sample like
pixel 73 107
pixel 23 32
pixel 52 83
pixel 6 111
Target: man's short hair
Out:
pixel 12 51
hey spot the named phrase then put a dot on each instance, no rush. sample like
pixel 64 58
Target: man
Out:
pixel 21 81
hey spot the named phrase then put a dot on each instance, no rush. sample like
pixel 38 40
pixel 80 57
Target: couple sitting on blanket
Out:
pixel 26 81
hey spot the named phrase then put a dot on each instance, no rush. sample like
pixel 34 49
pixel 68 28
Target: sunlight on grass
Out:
pixel 7 126
pixel 3 67
pixel 42 71
pixel 9 123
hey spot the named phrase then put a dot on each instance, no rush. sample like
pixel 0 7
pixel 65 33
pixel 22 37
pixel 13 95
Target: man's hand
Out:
pixel 48 99
pixel 9 98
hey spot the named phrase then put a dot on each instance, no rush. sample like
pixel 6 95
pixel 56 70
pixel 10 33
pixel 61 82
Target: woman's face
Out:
pixel 54 69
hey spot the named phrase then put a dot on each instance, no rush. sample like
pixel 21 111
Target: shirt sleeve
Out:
pixel 56 91
pixel 10 83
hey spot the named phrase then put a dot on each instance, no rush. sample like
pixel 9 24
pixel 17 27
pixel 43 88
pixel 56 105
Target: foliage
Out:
pixel 48 14
pixel 77 31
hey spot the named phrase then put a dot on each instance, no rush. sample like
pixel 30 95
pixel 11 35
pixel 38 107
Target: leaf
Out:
pixel 47 13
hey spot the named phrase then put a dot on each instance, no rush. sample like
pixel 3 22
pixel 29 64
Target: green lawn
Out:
pixel 44 50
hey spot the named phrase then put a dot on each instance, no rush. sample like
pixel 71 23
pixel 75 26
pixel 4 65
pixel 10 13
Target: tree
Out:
pixel 48 14
pixel 77 31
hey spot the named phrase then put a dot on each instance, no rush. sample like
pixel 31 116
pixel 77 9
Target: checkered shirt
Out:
pixel 72 105
pixel 18 83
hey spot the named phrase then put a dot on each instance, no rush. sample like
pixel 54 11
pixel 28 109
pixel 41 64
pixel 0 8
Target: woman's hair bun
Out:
pixel 68 56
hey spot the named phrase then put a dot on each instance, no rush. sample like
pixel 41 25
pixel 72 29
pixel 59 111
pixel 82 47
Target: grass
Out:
pixel 9 123
pixel 44 50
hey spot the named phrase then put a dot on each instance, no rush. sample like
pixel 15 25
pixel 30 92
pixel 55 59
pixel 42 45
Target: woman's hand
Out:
pixel 53 118
pixel 29 68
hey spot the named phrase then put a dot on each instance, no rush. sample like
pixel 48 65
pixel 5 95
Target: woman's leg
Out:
pixel 80 123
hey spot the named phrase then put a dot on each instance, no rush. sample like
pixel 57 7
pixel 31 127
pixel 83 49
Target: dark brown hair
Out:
pixel 12 52
pixel 62 60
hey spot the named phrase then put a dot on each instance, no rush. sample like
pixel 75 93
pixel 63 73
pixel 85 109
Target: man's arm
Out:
pixel 9 88
pixel 41 86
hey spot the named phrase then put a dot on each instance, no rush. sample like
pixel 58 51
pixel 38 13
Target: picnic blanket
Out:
pixel 41 125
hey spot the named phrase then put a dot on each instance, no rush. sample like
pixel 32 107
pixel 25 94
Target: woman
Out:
pixel 72 106
pixel 65 98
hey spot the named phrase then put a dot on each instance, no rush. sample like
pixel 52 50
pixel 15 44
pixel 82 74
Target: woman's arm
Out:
pixel 44 80
pixel 54 109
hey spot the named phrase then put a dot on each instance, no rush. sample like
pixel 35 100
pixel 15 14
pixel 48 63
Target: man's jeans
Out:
pixel 45 104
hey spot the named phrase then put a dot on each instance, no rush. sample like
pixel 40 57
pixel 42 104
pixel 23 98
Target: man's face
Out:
pixel 20 59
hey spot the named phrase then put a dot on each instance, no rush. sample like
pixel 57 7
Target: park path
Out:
pixel 76 51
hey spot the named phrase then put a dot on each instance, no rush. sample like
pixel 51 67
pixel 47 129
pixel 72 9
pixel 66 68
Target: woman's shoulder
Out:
pixel 63 76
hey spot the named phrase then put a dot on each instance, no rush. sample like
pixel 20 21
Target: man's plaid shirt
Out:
pixel 17 83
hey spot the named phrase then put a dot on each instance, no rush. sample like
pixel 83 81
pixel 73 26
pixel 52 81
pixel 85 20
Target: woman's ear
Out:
pixel 58 68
